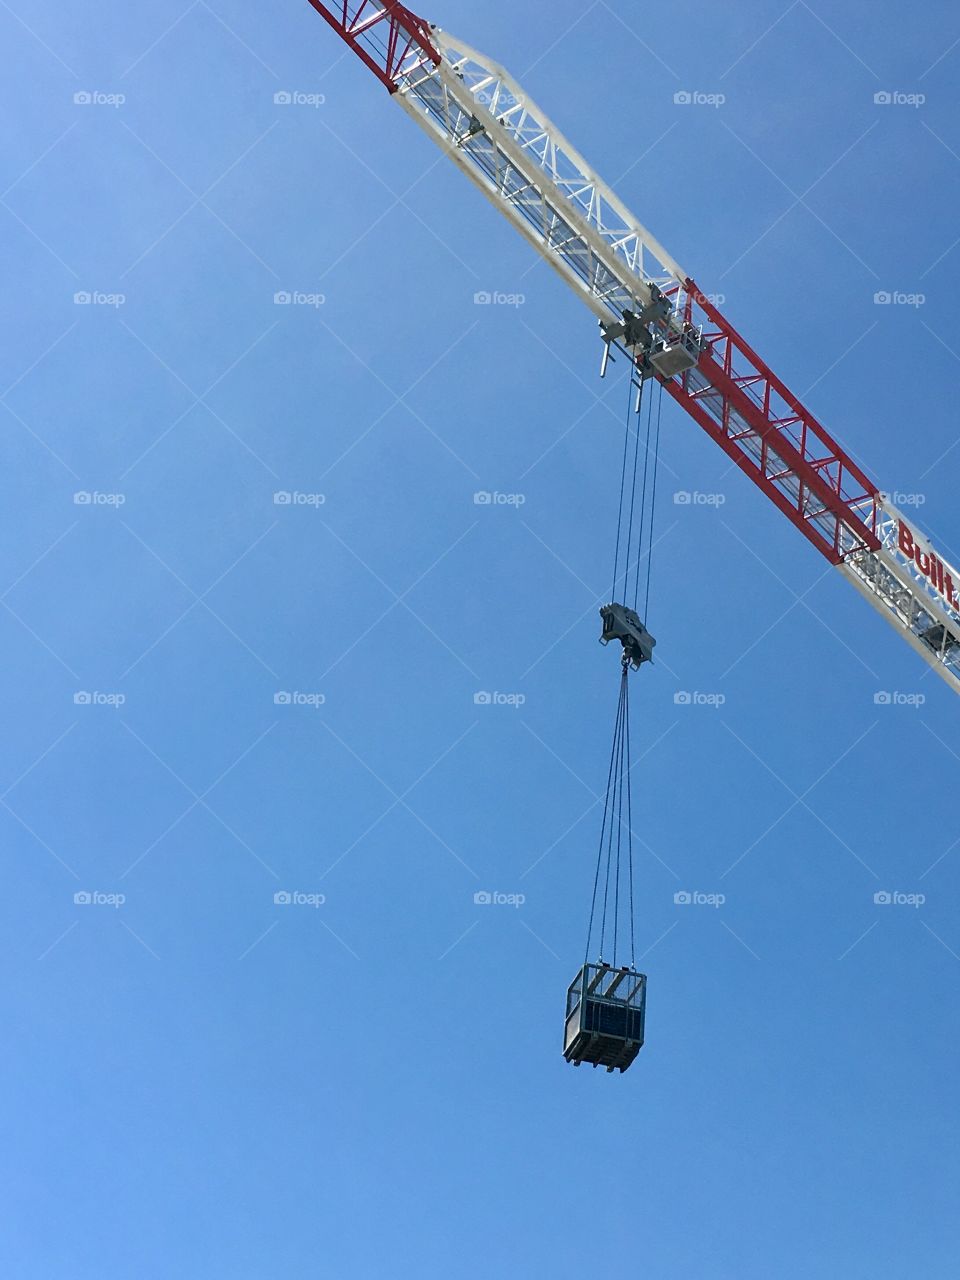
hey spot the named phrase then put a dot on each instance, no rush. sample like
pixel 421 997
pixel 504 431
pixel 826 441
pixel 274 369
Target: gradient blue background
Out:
pixel 202 1083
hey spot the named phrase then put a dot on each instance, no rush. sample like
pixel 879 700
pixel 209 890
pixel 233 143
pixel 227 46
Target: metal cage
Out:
pixel 605 1015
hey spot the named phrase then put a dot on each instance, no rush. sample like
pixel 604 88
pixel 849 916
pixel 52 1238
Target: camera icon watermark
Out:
pixel 697 98
pixel 294 498
pixel 898 298
pixel 486 898
pixel 686 498
pixel 98 298
pixel 294 698
pixel 298 298
pixel 497 298
pixel 486 498
pixel 484 698
pixel 297 98
pixel 96 898
pixel 297 898
pixel 85 698
pixel 894 698
pixel 896 98
pixel 696 898
pixel 94 498
pixel 895 898
pixel 97 98
pixel 693 698
pixel 502 99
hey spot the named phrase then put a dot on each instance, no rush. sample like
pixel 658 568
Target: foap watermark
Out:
pixel 691 698
pixel 484 699
pixel 895 898
pixel 94 698
pixel 497 298
pixel 484 498
pixel 696 898
pixel 501 99
pixel 494 898
pixel 698 98
pixel 898 298
pixel 298 98
pixel 901 499
pixel 94 498
pixel 297 898
pixel 294 698
pixel 897 98
pixel 97 898
pixel 686 498
pixel 894 698
pixel 294 498
pixel 98 98
pixel 98 298
pixel 298 298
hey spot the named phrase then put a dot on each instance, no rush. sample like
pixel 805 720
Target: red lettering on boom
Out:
pixel 929 565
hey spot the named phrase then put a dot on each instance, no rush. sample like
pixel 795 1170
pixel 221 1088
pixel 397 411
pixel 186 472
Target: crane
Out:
pixel 649 307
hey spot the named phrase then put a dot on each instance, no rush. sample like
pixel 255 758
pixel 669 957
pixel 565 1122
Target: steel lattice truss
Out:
pixel 492 130
pixel 523 164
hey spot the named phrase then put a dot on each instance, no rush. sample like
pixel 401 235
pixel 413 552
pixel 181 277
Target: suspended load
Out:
pixel 605 1012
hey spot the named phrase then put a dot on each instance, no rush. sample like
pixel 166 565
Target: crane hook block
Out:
pixel 605 1016
pixel 623 624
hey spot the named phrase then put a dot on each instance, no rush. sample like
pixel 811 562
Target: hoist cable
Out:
pixel 623 481
pixel 618 801
pixel 653 501
pixel 633 954
pixel 643 504
pixel 615 850
pixel 633 490
pixel 606 807
pixel 611 801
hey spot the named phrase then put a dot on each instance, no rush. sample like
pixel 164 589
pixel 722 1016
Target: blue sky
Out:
pixel 202 1082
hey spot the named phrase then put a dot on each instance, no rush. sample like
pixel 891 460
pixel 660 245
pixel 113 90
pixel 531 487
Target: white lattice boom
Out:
pixel 492 130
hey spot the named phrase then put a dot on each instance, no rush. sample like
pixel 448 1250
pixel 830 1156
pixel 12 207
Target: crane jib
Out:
pixel 486 123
